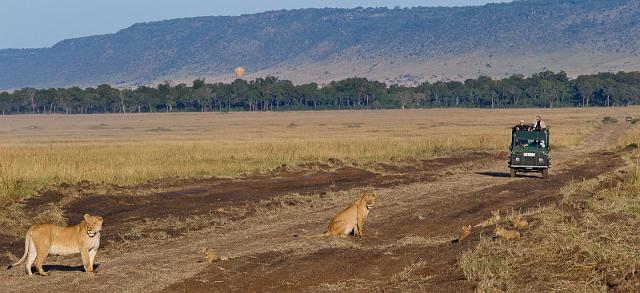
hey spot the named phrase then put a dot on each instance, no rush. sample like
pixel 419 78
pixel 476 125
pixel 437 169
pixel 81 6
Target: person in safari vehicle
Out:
pixel 529 149
pixel 538 124
pixel 522 127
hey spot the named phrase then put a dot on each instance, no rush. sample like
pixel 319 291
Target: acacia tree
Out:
pixel 167 96
pixel 585 86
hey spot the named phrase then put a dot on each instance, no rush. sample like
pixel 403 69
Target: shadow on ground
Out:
pixel 506 175
pixel 61 268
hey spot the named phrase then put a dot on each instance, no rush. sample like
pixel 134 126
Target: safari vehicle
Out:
pixel 529 151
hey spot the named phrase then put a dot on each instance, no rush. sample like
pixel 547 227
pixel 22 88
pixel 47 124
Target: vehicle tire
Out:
pixel 512 173
pixel 545 173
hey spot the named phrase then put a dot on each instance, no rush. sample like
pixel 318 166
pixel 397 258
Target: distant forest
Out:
pixel 545 89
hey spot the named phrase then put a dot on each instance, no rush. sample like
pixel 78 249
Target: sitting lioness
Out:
pixel 351 219
pixel 44 239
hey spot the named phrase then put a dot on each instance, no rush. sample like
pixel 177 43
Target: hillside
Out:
pixel 391 45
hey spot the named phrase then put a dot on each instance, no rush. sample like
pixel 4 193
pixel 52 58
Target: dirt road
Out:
pixel 154 233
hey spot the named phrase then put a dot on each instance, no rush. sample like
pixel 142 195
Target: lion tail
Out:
pixel 27 241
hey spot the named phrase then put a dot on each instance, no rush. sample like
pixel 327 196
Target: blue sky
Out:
pixel 42 23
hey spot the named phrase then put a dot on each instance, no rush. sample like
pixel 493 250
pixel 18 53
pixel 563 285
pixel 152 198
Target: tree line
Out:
pixel 545 89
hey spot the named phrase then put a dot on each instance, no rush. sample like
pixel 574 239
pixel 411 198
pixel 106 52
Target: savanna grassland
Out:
pixel 176 184
pixel 39 150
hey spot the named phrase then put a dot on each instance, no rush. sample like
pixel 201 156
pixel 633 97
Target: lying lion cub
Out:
pixel 519 223
pixel 495 218
pixel 211 256
pixel 465 231
pixel 351 219
pixel 506 234
pixel 44 239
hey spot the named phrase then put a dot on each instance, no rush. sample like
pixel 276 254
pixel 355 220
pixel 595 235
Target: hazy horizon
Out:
pixel 43 23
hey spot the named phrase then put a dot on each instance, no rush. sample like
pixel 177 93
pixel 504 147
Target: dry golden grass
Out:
pixel 591 251
pixel 36 151
pixel 631 138
pixel 587 243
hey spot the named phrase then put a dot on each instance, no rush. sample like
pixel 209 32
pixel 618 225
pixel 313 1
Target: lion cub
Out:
pixel 506 234
pixel 495 218
pixel 44 239
pixel 351 219
pixel 211 256
pixel 519 223
pixel 465 231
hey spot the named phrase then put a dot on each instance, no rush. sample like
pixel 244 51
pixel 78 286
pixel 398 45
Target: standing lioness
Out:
pixel 351 219
pixel 44 239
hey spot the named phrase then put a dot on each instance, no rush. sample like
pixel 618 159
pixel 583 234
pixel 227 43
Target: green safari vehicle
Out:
pixel 529 151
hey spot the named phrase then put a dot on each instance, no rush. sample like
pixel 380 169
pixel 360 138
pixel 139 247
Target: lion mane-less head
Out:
pixel 93 224
pixel 369 198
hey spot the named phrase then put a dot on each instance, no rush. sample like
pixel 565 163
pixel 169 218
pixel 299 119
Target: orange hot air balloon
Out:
pixel 239 72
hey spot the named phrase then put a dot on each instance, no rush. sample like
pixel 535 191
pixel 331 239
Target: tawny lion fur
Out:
pixel 519 223
pixel 495 218
pixel 506 234
pixel 465 231
pixel 351 219
pixel 211 256
pixel 44 239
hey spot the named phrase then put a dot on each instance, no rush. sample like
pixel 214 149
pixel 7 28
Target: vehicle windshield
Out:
pixel 530 139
